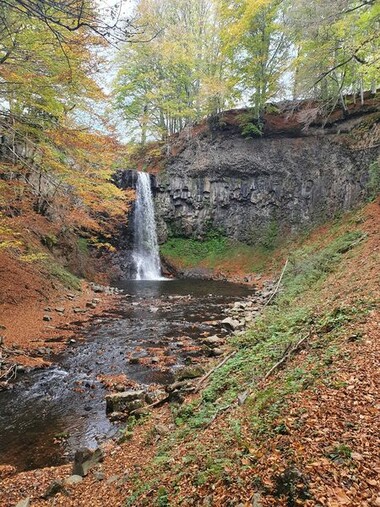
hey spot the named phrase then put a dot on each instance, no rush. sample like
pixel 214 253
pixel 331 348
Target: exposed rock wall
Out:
pixel 250 188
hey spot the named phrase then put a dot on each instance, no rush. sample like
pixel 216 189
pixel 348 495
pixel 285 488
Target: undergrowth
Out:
pixel 296 315
pixel 213 252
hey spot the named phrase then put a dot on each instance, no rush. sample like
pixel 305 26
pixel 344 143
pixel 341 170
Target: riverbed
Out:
pixel 52 412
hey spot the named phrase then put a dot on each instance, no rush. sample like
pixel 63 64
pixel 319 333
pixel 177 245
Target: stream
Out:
pixel 52 412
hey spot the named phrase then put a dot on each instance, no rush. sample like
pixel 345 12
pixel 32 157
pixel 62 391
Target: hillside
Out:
pixel 290 419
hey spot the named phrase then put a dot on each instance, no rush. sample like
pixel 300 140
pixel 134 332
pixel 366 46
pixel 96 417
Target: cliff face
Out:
pixel 283 182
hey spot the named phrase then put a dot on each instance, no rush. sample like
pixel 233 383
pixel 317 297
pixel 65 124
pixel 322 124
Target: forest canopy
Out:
pixel 200 57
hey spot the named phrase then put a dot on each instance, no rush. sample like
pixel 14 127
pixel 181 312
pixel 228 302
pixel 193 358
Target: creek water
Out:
pixel 68 398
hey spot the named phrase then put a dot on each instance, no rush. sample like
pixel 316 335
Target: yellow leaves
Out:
pixel 33 257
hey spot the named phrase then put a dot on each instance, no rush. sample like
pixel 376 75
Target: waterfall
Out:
pixel 146 258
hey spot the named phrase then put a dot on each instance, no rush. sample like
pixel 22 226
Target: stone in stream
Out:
pixel 231 324
pixel 125 402
pixel 213 341
pixel 189 372
pixel 85 459
pixel 214 352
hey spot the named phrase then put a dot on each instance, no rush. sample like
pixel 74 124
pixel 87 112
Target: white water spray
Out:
pixel 145 254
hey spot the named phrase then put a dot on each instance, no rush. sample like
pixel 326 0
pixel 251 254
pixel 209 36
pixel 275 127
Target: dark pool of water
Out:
pixel 68 399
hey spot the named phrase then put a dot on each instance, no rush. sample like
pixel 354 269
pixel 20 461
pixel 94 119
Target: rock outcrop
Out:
pixel 251 189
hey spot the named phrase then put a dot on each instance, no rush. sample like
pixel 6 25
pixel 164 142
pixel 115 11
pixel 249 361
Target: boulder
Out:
pixel 85 459
pixel 73 479
pixel 189 372
pixel 231 324
pixel 125 402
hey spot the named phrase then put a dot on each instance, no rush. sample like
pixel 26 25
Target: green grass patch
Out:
pixel 64 276
pixel 193 252
pixel 214 252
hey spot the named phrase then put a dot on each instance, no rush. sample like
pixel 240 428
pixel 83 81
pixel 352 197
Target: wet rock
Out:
pixel 176 386
pixel 85 459
pixel 153 396
pixel 215 352
pixel 189 372
pixel 23 503
pixel 213 341
pixel 125 401
pixel 118 416
pixel 73 479
pixel 54 488
pixel 231 324
pixel 47 318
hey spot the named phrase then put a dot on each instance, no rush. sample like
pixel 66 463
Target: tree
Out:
pixel 338 48
pixel 47 88
pixel 178 76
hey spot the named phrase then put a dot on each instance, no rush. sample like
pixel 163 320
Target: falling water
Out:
pixel 145 250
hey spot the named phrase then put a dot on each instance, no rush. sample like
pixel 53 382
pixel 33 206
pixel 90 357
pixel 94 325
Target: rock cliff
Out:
pixel 287 180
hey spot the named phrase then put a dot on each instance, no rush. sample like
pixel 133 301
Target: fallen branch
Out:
pixel 217 414
pixel 205 377
pixel 278 284
pixel 9 374
pixel 286 356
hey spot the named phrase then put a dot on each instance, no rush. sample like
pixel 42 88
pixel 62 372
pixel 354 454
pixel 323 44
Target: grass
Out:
pixel 65 277
pixel 215 252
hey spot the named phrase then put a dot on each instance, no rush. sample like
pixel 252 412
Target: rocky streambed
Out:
pixel 151 348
